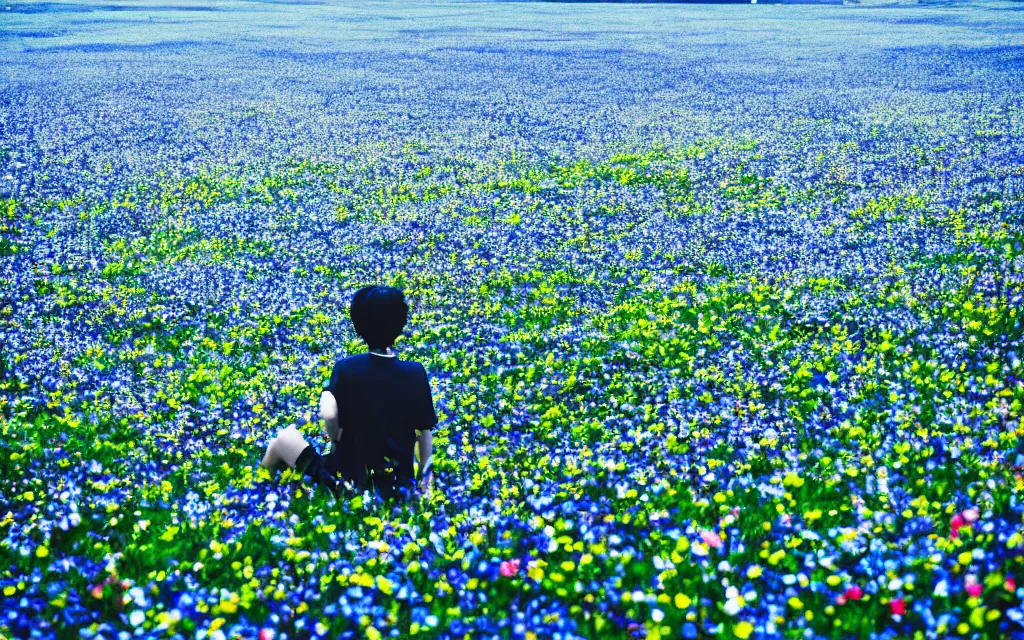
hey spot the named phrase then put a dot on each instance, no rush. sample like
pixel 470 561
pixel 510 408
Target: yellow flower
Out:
pixel 754 571
pixel 977 617
pixel 743 630
pixel 682 601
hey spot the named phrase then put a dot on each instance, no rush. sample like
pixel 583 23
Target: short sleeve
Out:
pixel 427 416
pixel 332 382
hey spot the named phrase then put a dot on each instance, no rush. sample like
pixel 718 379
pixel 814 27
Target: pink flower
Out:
pixel 711 538
pixel 266 634
pixel 971 586
pixel 955 524
pixel 97 591
pixel 971 515
pixel 509 568
pixel 841 600
pixel 854 593
pixel 898 606
pixel 1010 584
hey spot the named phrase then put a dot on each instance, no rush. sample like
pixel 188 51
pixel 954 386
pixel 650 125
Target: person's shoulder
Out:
pixel 412 366
pixel 353 362
pixel 355 358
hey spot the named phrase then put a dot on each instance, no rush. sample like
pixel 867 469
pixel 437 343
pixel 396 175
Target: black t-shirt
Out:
pixel 382 401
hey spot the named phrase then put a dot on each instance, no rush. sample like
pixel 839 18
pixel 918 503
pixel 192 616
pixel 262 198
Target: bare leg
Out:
pixel 284 449
pixel 289 444
pixel 272 458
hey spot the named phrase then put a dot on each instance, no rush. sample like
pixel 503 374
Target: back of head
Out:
pixel 379 314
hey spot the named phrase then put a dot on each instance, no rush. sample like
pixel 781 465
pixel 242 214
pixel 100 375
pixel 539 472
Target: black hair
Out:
pixel 379 314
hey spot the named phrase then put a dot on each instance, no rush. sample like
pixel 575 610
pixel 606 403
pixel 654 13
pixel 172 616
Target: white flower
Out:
pixel 138 596
pixel 733 605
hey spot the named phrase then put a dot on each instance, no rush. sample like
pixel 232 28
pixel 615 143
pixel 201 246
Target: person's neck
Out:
pixel 383 352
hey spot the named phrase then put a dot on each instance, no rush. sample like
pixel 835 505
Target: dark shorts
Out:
pixel 389 483
pixel 312 464
pixel 309 462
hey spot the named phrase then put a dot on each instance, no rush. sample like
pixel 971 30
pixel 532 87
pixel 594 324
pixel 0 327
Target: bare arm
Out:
pixel 425 437
pixel 329 415
pixel 426 450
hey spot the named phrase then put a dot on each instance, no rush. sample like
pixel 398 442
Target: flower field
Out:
pixel 722 309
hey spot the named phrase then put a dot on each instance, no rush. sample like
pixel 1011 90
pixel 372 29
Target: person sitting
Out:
pixel 376 408
pixel 385 406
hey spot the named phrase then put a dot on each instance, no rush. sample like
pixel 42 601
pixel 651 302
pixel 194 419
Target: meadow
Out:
pixel 721 306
